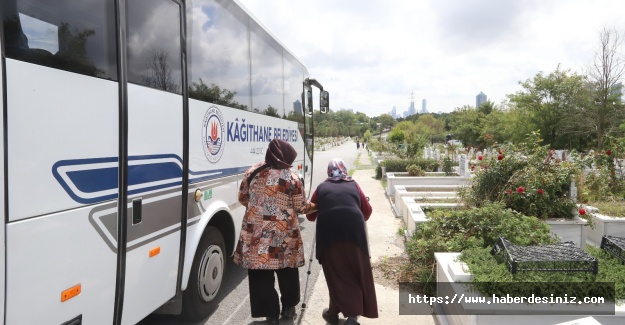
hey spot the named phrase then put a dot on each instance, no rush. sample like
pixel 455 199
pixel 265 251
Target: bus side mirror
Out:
pixel 324 102
pixel 309 101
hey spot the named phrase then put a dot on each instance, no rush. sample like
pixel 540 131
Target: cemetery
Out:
pixel 523 200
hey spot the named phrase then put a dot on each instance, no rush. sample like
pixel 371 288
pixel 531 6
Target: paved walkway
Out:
pixel 382 227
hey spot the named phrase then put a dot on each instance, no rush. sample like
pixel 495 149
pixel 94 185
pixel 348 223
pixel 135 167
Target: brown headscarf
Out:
pixel 280 154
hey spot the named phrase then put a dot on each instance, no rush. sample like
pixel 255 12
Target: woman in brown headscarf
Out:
pixel 270 240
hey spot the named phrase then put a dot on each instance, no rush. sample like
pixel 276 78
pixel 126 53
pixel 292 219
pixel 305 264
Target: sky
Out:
pixel 373 55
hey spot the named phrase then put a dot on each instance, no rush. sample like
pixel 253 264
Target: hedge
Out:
pixel 399 165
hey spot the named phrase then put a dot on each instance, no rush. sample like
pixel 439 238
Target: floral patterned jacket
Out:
pixel 270 234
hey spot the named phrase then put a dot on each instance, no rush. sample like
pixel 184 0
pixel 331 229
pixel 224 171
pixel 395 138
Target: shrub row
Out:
pixel 400 165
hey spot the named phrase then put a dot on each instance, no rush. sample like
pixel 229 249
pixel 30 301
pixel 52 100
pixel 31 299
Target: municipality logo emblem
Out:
pixel 213 132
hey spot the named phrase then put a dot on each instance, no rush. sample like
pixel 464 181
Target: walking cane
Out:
pixel 310 260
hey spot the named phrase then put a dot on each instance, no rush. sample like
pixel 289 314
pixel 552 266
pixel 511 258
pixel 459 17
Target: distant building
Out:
pixel 297 107
pixel 393 112
pixel 479 99
pixel 424 106
pixel 412 110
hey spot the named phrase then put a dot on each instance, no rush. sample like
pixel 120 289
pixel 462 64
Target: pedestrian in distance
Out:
pixel 340 209
pixel 270 241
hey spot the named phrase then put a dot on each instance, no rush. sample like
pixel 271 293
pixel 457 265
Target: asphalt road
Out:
pixel 234 304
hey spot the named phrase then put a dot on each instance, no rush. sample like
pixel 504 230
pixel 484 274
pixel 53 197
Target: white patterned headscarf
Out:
pixel 337 171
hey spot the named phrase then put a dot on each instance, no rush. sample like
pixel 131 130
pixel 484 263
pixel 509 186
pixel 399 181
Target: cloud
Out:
pixel 371 55
pixel 470 25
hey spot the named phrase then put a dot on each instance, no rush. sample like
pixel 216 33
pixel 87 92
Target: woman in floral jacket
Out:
pixel 270 240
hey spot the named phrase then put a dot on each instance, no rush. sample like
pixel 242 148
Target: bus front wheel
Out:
pixel 206 276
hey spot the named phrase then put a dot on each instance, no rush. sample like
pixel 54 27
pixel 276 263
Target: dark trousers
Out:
pixel 263 295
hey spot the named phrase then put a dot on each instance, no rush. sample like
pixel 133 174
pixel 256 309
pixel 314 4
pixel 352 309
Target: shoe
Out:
pixel 330 318
pixel 273 321
pixel 288 312
pixel 351 321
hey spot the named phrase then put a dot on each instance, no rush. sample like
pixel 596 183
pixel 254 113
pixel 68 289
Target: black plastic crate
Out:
pixel 561 257
pixel 615 246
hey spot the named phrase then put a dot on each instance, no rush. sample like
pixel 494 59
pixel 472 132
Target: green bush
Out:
pixel 399 165
pixel 457 230
pixel 529 180
pixel 448 165
pixel 491 276
pixel 379 146
pixel 414 170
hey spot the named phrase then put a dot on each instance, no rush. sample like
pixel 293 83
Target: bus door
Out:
pixel 2 221
pixel 155 153
pixel 61 146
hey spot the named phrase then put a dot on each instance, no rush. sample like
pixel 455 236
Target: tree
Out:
pixel 213 94
pixel 386 122
pixel 466 125
pixel 487 107
pixel 397 136
pixel 506 126
pixel 158 73
pixel 72 54
pixel 606 113
pixel 271 111
pixel 429 126
pixel 549 100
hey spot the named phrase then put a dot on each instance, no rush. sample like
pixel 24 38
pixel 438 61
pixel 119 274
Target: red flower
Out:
pixel 520 189
pixel 540 191
pixel 608 152
pixel 509 191
pixel 500 157
pixel 472 167
pixel 582 211
pixel 480 157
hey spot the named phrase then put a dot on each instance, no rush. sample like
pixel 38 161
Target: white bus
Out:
pixel 126 128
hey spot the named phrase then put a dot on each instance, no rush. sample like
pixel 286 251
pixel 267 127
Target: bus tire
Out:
pixel 207 271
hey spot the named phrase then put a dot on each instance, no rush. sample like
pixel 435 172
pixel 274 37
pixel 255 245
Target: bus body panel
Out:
pixel 216 198
pixel 58 247
pixel 155 139
pixel 2 193
pixel 150 281
pixel 54 253
pixel 52 121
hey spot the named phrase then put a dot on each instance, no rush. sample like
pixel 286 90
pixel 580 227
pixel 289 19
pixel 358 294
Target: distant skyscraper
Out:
pixel 297 107
pixel 394 112
pixel 412 110
pixel 479 99
pixel 424 106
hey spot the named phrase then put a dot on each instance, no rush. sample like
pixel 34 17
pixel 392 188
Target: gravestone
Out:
pixel 573 191
pixel 463 166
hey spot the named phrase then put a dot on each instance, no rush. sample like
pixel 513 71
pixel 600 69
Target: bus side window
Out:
pixel 62 34
pixel 153 47
pixel 218 50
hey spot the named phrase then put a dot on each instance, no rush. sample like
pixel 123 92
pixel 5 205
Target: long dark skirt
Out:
pixel 350 281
